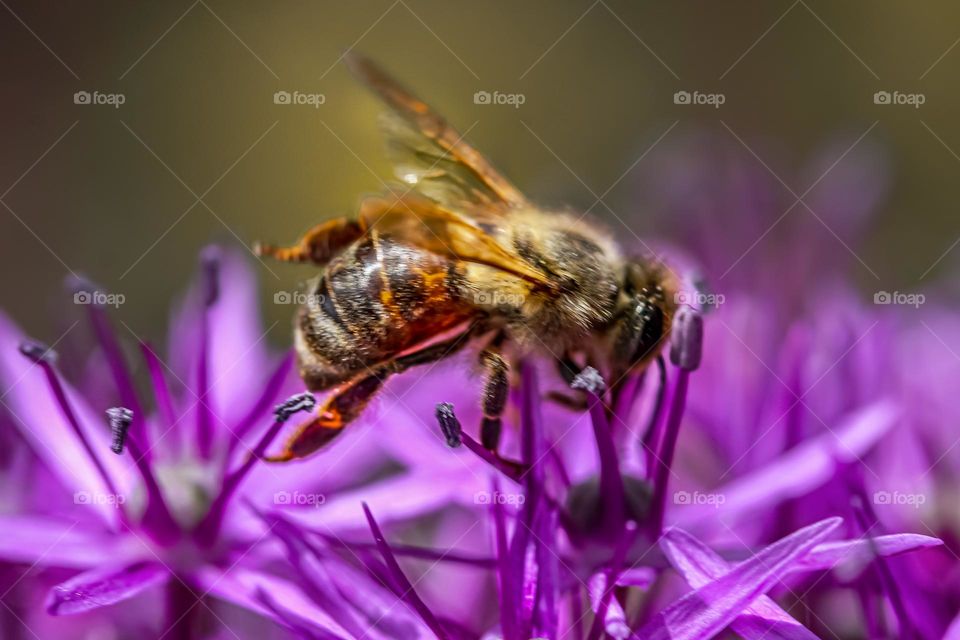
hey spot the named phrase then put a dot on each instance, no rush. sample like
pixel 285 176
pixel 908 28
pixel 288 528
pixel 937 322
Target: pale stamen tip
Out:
pixel 37 352
pixel 589 380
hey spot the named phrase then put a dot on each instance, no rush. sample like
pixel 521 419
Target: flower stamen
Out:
pixel 120 419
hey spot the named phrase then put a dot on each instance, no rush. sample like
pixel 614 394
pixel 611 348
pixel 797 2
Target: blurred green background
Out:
pixel 113 192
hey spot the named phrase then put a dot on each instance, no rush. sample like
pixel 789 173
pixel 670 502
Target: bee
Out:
pixel 458 256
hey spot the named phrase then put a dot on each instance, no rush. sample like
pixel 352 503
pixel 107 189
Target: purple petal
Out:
pixel 102 587
pixel 59 543
pixel 953 631
pixel 30 402
pixel 699 565
pixel 830 554
pixel 236 346
pixel 397 498
pixel 297 624
pixel 406 589
pixel 242 587
pixel 315 576
pixel 615 620
pixel 639 577
pixel 712 607
pixel 798 471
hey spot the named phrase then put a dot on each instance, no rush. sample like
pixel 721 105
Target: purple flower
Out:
pixel 738 484
pixel 175 509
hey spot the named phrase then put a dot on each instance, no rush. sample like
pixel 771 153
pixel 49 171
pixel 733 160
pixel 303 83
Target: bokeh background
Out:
pixel 200 152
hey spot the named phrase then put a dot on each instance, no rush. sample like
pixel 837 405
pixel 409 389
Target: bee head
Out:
pixel 645 309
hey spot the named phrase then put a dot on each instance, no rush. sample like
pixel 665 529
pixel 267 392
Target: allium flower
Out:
pixel 175 509
pixel 731 488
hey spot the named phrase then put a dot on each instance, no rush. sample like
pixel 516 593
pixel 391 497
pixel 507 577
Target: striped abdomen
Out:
pixel 374 301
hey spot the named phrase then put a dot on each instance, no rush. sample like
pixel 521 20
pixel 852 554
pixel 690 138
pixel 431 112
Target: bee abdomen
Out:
pixel 377 299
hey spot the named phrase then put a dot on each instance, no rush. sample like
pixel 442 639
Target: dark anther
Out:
pixel 120 419
pixel 37 352
pixel 294 404
pixel 686 343
pixel 210 261
pixel 589 380
pixel 449 424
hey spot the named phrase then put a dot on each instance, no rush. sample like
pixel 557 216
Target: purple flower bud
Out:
pixel 686 344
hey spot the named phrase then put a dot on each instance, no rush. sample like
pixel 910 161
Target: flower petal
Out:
pixel 639 577
pixel 403 496
pixel 29 400
pixel 615 620
pixel 698 564
pixel 102 587
pixel 830 554
pixel 796 472
pixel 712 607
pixel 238 356
pixel 58 543
pixel 242 587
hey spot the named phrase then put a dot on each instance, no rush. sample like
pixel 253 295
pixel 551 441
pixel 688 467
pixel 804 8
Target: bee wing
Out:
pixel 426 223
pixel 430 154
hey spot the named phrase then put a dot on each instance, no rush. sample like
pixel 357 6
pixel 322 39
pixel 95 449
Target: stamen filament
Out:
pixel 209 527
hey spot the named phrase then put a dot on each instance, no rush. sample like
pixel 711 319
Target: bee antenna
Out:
pixel 449 424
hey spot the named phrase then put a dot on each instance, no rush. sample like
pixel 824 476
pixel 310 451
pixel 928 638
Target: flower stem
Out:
pixel 206 532
pixel 665 458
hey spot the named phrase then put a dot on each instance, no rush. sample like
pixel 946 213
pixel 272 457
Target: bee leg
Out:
pixel 319 245
pixel 346 403
pixel 567 400
pixel 495 389
pixel 349 400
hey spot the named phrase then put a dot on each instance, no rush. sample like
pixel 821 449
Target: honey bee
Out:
pixel 458 256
